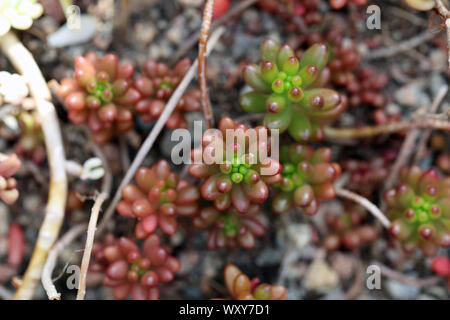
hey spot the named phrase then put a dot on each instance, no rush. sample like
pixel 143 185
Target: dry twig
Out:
pixel 89 243
pixel 50 263
pixel 372 131
pixel 420 150
pixel 24 62
pixel 393 274
pixel 445 14
pixel 373 209
pixel 202 76
pixel 399 47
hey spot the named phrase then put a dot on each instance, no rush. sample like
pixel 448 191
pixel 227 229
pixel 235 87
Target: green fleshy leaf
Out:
pixel 285 53
pixel 269 50
pixel 280 120
pixel 253 102
pixel 269 71
pixel 316 55
pixel 321 99
pixel 300 127
pixel 308 74
pixel 276 103
pixel 253 77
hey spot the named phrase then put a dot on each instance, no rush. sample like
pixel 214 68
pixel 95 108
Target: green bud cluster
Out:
pixel 284 88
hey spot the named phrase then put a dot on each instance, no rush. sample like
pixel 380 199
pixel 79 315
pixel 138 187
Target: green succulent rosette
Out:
pixel 420 210
pixel 283 88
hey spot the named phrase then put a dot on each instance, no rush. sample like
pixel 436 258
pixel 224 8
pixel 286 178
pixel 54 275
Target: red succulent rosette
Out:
pixel 230 229
pixel 236 175
pixel 157 199
pixel 136 272
pixel 348 231
pixel 101 94
pixel 8 167
pixel 307 177
pixel 156 85
pixel 366 177
pixel 420 210
pixel 241 287
pixel 292 9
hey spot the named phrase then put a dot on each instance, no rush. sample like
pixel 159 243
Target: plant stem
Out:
pixel 445 13
pixel 421 146
pixel 372 131
pixel 159 125
pixel 24 62
pixel 89 243
pixel 47 271
pixel 343 193
pixel 202 77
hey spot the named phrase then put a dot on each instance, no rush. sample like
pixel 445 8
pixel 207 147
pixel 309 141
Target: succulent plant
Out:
pixel 101 94
pixel 136 272
pixel 99 263
pixel 339 4
pixel 345 59
pixel 8 166
pixel 156 85
pixel 366 176
pixel 241 176
pixel 157 199
pixel 348 231
pixel 289 9
pixel 365 87
pixel 18 14
pixel 422 5
pixel 230 228
pixel 241 287
pixel 307 177
pixel 420 210
pixel 281 88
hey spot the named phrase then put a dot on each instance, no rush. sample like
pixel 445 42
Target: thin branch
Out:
pixel 343 193
pixel 89 243
pixel 49 266
pixel 76 231
pixel 399 48
pixel 420 150
pixel 372 131
pixel 24 62
pixel 403 156
pixel 442 9
pixel 445 13
pixel 393 274
pixel 159 125
pixel 202 76
pixel 405 152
